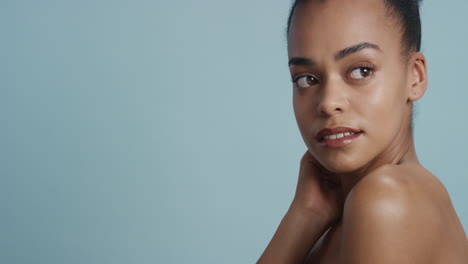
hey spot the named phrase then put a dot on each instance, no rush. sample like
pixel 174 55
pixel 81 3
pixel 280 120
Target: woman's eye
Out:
pixel 361 73
pixel 305 81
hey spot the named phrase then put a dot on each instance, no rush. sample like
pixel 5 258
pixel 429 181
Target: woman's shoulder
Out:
pixel 404 199
pixel 402 181
pixel 409 191
pixel 401 188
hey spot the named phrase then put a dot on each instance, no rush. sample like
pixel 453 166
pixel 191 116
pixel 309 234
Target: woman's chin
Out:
pixel 341 167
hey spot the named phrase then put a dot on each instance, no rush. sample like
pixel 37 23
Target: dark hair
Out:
pixel 405 12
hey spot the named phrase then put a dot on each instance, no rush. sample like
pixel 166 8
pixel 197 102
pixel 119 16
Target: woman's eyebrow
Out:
pixel 339 55
pixel 355 48
pixel 300 61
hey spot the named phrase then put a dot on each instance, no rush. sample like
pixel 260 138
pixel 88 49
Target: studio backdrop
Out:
pixel 163 131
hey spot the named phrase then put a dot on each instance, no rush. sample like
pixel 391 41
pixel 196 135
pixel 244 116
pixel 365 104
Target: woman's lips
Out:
pixel 337 137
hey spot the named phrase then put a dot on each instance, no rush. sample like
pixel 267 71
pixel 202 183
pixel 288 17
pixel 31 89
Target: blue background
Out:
pixel 163 131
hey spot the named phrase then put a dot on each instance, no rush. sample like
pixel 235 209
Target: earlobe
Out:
pixel 418 77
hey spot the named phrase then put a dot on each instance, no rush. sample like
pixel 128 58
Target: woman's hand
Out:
pixel 316 206
pixel 318 191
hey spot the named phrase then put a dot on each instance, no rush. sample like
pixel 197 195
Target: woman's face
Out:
pixel 351 77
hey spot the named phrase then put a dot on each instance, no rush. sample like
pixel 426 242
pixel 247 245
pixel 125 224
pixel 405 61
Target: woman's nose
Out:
pixel 332 99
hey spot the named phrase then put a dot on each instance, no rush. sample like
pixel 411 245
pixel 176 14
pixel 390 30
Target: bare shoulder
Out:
pixel 402 214
pixel 409 188
pixel 402 178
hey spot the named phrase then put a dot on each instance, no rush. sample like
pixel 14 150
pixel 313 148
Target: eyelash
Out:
pixel 370 67
pixel 364 66
pixel 295 79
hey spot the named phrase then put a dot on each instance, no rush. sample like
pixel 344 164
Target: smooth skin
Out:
pixel 370 201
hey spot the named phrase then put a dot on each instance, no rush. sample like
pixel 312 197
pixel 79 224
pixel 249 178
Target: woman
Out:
pixel 362 195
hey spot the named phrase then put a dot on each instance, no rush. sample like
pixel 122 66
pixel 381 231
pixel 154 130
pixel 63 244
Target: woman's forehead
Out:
pixel 334 25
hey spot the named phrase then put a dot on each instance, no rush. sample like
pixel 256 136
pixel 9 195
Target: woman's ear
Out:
pixel 417 76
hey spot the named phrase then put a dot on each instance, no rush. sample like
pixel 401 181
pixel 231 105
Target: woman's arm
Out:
pixel 316 206
pixel 296 235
